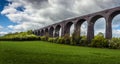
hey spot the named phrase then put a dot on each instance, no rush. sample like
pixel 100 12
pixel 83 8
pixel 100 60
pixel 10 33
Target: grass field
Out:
pixel 39 52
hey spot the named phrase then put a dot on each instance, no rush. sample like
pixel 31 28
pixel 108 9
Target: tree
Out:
pixel 100 34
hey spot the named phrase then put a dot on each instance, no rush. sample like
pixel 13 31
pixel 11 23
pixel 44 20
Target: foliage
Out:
pixel 20 36
pixel 75 39
pixel 55 40
pixel 51 39
pixel 114 43
pixel 43 38
pixel 46 36
pixel 67 39
pixel 61 40
pixel 99 41
pixel 84 41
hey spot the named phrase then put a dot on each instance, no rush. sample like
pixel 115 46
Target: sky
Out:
pixel 23 15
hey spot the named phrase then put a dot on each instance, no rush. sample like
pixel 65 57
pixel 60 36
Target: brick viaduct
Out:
pixel 108 15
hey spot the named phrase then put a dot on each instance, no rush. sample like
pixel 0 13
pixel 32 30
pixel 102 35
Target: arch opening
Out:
pixel 98 25
pixel 69 28
pixel 113 15
pixel 84 29
pixel 116 24
pixel 42 32
pixel 81 27
pixel 57 32
pixel 38 32
pixel 46 31
pixel 51 30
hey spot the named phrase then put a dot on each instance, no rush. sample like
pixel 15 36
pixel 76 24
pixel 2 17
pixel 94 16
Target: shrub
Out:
pixel 99 41
pixel 51 39
pixel 83 41
pixel 75 39
pixel 43 38
pixel 114 43
pixel 60 40
pixel 46 37
pixel 22 36
pixel 67 39
pixel 55 40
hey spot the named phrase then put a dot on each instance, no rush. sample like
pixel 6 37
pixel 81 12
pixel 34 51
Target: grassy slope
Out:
pixel 38 52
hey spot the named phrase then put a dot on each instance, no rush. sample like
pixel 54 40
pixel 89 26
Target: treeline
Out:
pixel 19 36
pixel 98 41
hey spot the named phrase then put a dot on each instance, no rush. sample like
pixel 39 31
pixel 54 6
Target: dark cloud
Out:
pixel 38 3
pixel 45 12
pixel 61 14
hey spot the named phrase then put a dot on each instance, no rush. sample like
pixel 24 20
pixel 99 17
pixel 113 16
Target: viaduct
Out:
pixel 54 29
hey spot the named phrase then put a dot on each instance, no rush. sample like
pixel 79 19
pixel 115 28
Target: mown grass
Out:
pixel 39 52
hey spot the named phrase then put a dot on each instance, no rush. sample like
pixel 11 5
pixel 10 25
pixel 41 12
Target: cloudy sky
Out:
pixel 22 15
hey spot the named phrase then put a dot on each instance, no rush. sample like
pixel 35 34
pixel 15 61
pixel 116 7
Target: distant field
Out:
pixel 39 52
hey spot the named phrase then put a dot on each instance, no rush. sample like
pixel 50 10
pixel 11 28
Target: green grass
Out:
pixel 39 52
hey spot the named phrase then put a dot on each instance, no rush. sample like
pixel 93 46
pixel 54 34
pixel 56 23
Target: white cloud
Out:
pixel 39 13
pixel 116 33
pixel 3 33
pixel 1 27
pixel 24 26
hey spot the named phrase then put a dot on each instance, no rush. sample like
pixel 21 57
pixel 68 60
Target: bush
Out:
pixel 83 41
pixel 75 39
pixel 43 38
pixel 60 40
pixel 67 39
pixel 46 37
pixel 22 36
pixel 99 41
pixel 51 39
pixel 114 43
pixel 55 40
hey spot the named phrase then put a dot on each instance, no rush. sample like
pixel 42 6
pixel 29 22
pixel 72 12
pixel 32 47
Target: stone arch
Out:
pixel 42 32
pixel 110 19
pixel 57 31
pixel 91 24
pixel 46 31
pixel 78 26
pixel 33 32
pixel 38 32
pixel 67 27
pixel 95 18
pixel 51 31
pixel 113 14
